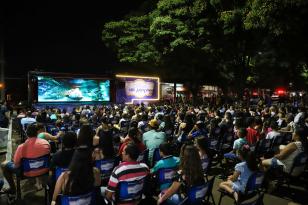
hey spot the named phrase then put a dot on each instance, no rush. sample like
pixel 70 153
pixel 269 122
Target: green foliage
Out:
pixel 130 39
pixel 228 43
pixel 304 73
pixel 170 5
pixel 276 16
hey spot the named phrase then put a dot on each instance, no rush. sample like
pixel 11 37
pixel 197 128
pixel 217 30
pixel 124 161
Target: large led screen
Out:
pixel 51 89
pixel 137 88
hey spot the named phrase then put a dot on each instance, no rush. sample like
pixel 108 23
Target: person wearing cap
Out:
pixel 153 138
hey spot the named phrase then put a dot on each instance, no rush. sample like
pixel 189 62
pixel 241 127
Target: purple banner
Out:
pixel 132 89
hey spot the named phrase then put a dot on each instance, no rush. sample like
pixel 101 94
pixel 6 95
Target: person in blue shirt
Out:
pixel 237 144
pixel 167 161
pixel 237 182
pixel 198 130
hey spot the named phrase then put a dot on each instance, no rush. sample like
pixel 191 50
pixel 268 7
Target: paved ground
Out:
pixel 282 196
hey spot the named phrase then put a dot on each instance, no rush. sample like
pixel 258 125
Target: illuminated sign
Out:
pixel 137 88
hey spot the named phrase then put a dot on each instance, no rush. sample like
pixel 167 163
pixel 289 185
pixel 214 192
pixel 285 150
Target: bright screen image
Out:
pixel 137 89
pixel 51 89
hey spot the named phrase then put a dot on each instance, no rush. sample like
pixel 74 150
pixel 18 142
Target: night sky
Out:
pixel 60 37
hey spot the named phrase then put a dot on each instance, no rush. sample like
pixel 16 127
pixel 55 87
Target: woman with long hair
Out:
pixel 237 182
pixel 190 174
pixel 85 137
pixel 103 141
pixel 202 144
pixel 105 149
pixel 102 132
pixel 81 178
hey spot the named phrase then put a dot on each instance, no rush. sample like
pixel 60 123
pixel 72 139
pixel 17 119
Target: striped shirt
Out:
pixel 127 171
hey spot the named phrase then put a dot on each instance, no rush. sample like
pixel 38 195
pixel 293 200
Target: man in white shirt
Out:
pixel 300 116
pixel 27 120
pixel 274 133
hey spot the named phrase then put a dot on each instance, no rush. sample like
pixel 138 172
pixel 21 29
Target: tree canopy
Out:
pixel 232 44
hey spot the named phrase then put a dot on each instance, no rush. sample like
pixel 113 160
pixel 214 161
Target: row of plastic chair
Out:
pixel 268 147
pixel 195 195
pixel 298 168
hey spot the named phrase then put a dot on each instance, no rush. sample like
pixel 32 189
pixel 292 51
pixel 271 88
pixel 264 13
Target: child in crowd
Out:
pixel 237 144
pixel 237 181
pixel 167 161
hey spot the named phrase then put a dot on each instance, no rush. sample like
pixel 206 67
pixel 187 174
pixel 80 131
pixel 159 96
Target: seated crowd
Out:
pixel 128 154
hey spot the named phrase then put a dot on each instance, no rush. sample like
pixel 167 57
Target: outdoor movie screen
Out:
pixel 51 89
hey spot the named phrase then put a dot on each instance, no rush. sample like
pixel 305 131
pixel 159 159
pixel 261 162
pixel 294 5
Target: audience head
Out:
pixel 250 121
pixel 28 114
pixel 81 178
pixel 144 117
pixel 246 155
pixel 190 164
pixel 132 132
pixel 241 132
pixel 274 125
pixel 106 144
pixel 300 134
pixel 160 117
pixel 200 125
pixel 153 124
pixel 104 120
pixel 131 152
pixel 133 124
pixel 40 127
pixel 289 117
pixel 228 116
pixel 165 149
pixel 69 140
pixel 85 136
pixel 213 123
pixel 189 119
pixel 202 144
pixel 31 130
